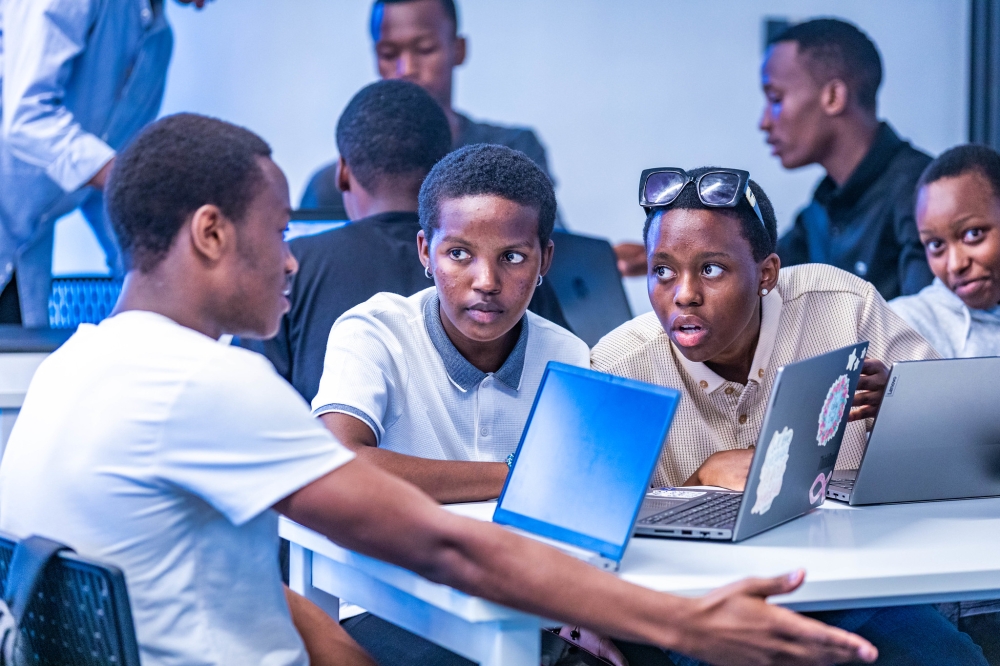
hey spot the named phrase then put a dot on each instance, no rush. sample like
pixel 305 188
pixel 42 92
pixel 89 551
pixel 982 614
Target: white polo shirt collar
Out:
pixel 463 374
pixel 709 381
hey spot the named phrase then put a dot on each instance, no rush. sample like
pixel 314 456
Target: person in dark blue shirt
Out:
pixel 821 79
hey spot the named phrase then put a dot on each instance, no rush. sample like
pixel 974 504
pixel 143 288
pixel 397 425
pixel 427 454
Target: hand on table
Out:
pixel 870 391
pixel 726 469
pixel 631 259
pixel 735 625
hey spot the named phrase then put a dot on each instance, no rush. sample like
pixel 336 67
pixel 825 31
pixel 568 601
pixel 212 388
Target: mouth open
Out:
pixel 689 334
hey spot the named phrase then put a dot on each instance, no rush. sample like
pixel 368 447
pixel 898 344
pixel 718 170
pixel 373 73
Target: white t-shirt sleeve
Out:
pixel 363 372
pixel 239 437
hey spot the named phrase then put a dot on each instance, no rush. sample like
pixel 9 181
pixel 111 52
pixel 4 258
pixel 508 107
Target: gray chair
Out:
pixel 67 610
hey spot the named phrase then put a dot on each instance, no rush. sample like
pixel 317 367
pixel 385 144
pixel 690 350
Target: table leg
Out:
pixel 300 580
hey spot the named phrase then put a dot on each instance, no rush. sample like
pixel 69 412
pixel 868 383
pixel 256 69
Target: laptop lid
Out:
pixel 937 435
pixel 585 277
pixel 800 439
pixel 309 222
pixel 586 457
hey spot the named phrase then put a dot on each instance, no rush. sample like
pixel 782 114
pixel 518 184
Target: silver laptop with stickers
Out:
pixel 793 463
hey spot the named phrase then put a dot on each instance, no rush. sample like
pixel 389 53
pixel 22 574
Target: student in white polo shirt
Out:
pixel 725 317
pixel 436 387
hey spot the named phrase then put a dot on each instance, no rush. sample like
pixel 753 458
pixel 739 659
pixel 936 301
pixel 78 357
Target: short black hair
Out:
pixel 488 169
pixel 392 129
pixel 375 22
pixel 763 239
pixel 174 167
pixel 836 49
pixel 961 160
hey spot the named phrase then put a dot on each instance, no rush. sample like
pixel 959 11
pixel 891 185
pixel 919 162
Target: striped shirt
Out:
pixel 814 309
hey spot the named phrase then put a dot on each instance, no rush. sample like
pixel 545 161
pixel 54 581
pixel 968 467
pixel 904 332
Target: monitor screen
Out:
pixel 586 457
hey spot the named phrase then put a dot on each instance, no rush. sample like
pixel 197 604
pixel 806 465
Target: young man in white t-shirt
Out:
pixel 436 388
pixel 144 443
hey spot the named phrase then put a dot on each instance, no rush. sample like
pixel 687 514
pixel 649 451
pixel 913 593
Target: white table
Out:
pixel 854 557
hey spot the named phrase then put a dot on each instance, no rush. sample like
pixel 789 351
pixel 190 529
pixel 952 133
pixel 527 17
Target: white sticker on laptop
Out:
pixel 673 493
pixel 833 410
pixel 772 472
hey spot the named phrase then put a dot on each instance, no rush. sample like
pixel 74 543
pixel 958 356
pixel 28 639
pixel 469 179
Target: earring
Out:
pixel 427 273
pixel 763 292
pixel 539 283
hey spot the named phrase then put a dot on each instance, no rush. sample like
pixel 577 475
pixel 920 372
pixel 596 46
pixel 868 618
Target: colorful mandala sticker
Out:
pixel 833 410
pixel 772 472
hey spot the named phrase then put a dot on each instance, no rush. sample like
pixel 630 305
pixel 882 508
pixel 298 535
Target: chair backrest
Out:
pixel 82 300
pixel 79 615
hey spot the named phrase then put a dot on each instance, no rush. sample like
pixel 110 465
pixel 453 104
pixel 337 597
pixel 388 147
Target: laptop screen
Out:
pixel 586 457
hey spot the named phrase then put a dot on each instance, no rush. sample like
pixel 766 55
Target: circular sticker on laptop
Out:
pixel 833 410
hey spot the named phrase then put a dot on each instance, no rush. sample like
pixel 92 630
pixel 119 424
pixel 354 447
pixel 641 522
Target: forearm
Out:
pixel 447 481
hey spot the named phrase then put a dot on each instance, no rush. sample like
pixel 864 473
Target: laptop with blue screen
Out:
pixel 585 461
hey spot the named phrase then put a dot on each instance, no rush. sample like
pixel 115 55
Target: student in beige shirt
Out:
pixel 725 318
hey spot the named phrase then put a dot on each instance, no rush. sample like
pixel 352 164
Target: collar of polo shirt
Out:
pixel 463 374
pixel 771 314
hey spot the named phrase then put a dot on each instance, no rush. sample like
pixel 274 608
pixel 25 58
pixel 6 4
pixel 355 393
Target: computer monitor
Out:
pixel 586 458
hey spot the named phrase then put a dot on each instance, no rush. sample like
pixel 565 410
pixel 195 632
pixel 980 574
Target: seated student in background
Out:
pixel 725 317
pixel 418 41
pixel 389 137
pixel 958 217
pixel 436 388
pixel 170 455
pixel 820 81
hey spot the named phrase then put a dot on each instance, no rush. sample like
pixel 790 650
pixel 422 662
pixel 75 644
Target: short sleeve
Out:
pixel 363 372
pixel 239 437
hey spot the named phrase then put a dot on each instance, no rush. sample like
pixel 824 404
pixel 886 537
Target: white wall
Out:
pixel 611 86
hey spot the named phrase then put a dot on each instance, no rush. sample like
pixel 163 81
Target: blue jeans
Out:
pixel 904 636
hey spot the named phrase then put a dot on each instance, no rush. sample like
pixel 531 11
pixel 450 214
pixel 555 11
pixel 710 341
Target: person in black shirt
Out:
pixel 389 137
pixel 820 79
pixel 418 41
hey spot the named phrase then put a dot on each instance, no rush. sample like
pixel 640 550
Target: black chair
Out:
pixel 77 613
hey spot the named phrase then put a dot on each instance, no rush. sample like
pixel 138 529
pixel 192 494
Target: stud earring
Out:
pixel 539 283
pixel 427 273
pixel 763 292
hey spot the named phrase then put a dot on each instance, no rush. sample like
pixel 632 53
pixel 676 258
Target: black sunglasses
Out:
pixel 718 188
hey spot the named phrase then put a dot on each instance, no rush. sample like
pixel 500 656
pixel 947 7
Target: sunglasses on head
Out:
pixel 718 188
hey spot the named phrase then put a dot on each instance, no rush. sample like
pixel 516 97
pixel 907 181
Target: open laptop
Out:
pixel 585 277
pixel 937 436
pixel 796 452
pixel 585 461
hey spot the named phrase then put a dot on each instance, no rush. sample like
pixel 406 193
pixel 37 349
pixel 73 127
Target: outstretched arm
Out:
pixel 444 480
pixel 365 509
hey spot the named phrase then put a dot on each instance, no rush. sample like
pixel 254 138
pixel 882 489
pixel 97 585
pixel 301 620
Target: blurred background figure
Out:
pixel 79 79
pixel 821 80
pixel 418 41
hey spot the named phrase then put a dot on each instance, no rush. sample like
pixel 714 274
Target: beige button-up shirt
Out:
pixel 814 309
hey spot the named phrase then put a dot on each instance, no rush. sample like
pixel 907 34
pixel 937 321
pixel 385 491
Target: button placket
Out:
pixel 486 414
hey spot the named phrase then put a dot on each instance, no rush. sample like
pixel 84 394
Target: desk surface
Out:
pixel 15 339
pixel 853 556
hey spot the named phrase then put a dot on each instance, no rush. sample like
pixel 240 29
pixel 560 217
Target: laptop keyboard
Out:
pixel 720 511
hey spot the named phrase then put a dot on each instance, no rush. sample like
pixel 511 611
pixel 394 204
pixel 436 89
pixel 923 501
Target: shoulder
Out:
pixel 388 311
pixel 631 338
pixel 804 280
pixel 553 339
pixel 512 136
pixel 926 304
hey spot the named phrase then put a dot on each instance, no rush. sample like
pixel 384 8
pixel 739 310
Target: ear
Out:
pixel 343 175
pixel 769 269
pixel 834 97
pixel 212 233
pixel 461 51
pixel 547 253
pixel 423 249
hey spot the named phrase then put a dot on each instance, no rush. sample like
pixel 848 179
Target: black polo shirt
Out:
pixel 344 267
pixel 867 226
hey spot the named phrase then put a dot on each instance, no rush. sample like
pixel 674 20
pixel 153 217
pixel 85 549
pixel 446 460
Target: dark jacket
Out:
pixel 867 227
pixel 345 267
